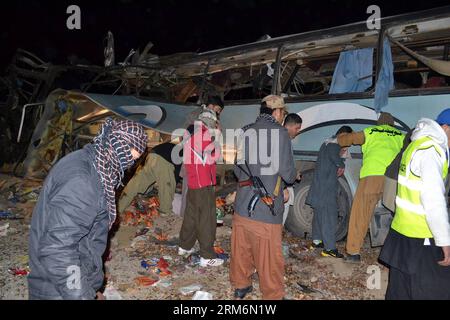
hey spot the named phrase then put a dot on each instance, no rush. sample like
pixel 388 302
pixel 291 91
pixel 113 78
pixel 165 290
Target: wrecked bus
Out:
pixel 161 93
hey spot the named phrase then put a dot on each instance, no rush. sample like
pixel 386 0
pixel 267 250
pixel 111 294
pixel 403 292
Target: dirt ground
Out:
pixel 308 275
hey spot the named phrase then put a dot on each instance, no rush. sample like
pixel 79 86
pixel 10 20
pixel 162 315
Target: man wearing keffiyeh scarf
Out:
pixel 114 154
pixel 75 211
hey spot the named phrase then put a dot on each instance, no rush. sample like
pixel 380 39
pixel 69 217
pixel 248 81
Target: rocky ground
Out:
pixel 133 247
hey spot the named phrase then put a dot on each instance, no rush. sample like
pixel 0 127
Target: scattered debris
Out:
pixel 201 271
pixel 219 250
pixel 142 232
pixel 4 230
pixel 142 210
pixel 221 253
pixel 29 194
pixel 169 243
pixel 220 211
pixel 305 289
pixel 164 283
pixel 178 268
pixel 190 289
pixel 285 248
pixel 230 198
pixel 145 281
pixel 27 191
pixel 111 293
pixel 160 235
pixel 194 260
pixel 220 202
pixel 162 264
pixel 145 267
pixel 158 266
pixel 202 295
pixel 147 264
pixel 219 216
pixel 19 272
pixel 9 215
pixel 139 241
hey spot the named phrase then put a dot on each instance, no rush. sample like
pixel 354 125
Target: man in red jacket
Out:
pixel 199 223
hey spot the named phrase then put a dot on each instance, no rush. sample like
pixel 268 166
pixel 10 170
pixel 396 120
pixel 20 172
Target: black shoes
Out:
pixel 353 258
pixel 331 253
pixel 241 293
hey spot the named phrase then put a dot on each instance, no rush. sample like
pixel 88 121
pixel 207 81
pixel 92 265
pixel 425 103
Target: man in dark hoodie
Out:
pixel 322 196
pixel 74 212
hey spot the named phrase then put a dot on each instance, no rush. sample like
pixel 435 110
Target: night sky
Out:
pixel 172 26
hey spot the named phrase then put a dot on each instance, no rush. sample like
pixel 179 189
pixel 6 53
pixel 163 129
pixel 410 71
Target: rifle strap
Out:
pixel 277 187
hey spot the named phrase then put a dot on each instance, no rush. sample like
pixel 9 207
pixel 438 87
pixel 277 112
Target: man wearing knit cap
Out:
pixel 380 145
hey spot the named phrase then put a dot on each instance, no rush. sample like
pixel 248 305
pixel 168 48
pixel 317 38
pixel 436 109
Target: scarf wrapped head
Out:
pixel 113 156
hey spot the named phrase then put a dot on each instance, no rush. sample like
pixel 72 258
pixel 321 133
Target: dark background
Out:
pixel 172 25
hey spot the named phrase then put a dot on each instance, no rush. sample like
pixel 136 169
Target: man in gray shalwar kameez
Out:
pixel 322 196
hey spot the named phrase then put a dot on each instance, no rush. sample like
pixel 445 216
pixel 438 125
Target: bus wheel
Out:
pixel 299 220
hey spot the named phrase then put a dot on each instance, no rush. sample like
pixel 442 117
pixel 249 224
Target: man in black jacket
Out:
pixel 75 210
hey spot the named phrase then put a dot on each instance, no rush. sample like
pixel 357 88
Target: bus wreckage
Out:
pixel 161 92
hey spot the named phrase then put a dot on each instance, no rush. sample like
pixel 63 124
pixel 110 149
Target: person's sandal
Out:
pixel 241 293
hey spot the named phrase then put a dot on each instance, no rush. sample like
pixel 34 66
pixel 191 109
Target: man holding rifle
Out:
pixel 264 164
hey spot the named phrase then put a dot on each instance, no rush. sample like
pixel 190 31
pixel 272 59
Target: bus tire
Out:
pixel 299 220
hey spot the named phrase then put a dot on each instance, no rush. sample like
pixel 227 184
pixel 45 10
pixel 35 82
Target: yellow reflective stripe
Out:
pixel 409 206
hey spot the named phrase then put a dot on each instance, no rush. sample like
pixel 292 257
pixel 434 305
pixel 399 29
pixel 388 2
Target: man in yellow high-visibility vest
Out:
pixel 417 248
pixel 380 145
